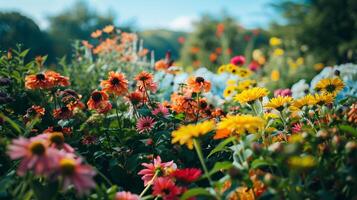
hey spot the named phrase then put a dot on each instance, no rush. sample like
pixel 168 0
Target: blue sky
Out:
pixel 150 14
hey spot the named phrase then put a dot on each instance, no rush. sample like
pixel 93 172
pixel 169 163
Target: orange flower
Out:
pixel 96 34
pixel 220 29
pixel 213 57
pixel 218 50
pixel 195 50
pixel 62 113
pixel 99 102
pixel 145 81
pixel 136 98
pixel 222 133
pixel 46 80
pixel 87 44
pixel 143 52
pixel 108 29
pixel 116 84
pixel 160 65
pixel 198 84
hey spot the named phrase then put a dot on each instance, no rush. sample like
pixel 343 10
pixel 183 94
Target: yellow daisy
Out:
pixel 231 82
pixel 186 134
pixel 221 69
pixel 246 84
pixel 250 95
pixel 274 41
pixel 239 124
pixel 268 116
pixel 308 100
pixel 279 102
pixel 278 52
pixel 323 99
pixel 229 91
pixel 243 73
pixel 330 85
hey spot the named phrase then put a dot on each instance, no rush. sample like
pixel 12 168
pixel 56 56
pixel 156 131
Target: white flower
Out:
pixel 299 89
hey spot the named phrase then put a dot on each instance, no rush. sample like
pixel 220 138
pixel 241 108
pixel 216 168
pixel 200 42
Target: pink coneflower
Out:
pixel 126 196
pixel 238 60
pixel 35 154
pixel 166 188
pixel 56 140
pixel 161 111
pixel 151 168
pixel 282 92
pixel 74 172
pixel 297 128
pixel 145 124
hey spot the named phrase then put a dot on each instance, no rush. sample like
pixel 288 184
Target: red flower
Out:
pixel 166 188
pixel 187 175
pixel 238 60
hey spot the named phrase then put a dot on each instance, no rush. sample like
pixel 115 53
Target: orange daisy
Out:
pixel 99 102
pixel 198 84
pixel 96 34
pixel 145 81
pixel 116 84
pixel 108 29
pixel 37 81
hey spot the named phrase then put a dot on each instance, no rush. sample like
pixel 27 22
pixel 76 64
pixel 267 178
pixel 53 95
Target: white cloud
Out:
pixel 182 23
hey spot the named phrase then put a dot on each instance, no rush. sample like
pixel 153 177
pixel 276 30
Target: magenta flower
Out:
pixel 296 128
pixel 74 172
pixel 161 111
pixel 145 124
pixel 126 196
pixel 238 60
pixel 162 168
pixel 35 154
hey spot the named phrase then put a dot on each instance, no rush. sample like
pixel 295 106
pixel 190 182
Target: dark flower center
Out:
pixel 200 79
pixel 64 109
pixel 203 104
pixel 37 148
pixel 96 96
pixel 57 138
pixel 57 128
pixel 40 77
pixel 330 88
pixel 115 81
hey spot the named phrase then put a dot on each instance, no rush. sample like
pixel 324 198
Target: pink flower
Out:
pixel 161 110
pixel 35 154
pixel 74 172
pixel 151 168
pixel 187 175
pixel 126 196
pixel 282 92
pixel 145 124
pixel 296 128
pixel 56 140
pixel 254 66
pixel 166 188
pixel 238 60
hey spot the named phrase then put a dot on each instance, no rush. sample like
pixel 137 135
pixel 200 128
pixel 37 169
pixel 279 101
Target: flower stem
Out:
pixel 149 184
pixel 198 149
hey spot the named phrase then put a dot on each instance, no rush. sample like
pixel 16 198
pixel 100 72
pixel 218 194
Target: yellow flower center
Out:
pixel 67 166
pixel 37 148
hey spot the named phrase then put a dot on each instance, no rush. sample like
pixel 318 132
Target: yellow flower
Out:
pixel 307 100
pixel 186 134
pixel 274 41
pixel 246 84
pixel 243 73
pixel 257 53
pixel 231 82
pixel 279 102
pixel 233 68
pixel 300 61
pixel 323 99
pixel 278 52
pixel 108 29
pixel 275 75
pixel 250 95
pixel 239 124
pixel 302 162
pixel 330 86
pixel 221 69
pixel 268 116
pixel 229 91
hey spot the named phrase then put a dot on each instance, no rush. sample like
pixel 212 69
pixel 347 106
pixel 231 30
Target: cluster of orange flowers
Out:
pixel 189 101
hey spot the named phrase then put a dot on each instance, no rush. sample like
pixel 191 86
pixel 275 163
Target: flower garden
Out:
pixel 115 124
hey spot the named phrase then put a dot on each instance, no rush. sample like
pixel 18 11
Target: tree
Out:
pixel 18 29
pixel 327 27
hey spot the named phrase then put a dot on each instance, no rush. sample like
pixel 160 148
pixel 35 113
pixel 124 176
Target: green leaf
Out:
pixel 221 146
pixel 195 192
pixel 24 53
pixel 11 122
pixel 259 163
pixel 218 166
pixel 349 129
